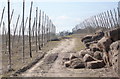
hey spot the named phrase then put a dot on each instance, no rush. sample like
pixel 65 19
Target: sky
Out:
pixel 65 14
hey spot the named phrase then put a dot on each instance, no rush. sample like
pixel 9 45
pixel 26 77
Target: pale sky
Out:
pixel 65 14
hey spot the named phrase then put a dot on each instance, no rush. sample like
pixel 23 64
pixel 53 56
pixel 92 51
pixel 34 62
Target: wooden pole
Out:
pixel 9 47
pixel 25 23
pixel 15 29
pixel 118 9
pixel 109 19
pixel 102 21
pixel 3 34
pixel 20 28
pixel 94 23
pixel 116 20
pixel 30 30
pixel 42 27
pixel 33 29
pixel 99 21
pixel 39 39
pixel 2 16
pixel 112 18
pixel 45 30
pixel 11 15
pixel 105 22
pixel 36 26
pixel 50 31
pixel 97 24
pixel 23 31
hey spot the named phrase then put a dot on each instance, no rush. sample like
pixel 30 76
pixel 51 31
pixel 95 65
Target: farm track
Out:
pixel 51 65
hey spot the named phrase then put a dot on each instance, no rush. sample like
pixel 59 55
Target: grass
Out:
pixel 17 61
pixel 50 45
pixel 17 52
pixel 78 44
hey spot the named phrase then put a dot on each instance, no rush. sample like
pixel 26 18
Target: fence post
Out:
pixel 116 20
pixel 30 29
pixel 33 29
pixel 45 30
pixel 112 18
pixel 9 47
pixel 36 26
pixel 39 39
pixel 20 31
pixel 119 14
pixel 2 16
pixel 15 30
pixel 25 23
pixel 23 30
pixel 119 35
pixel 42 27
pixel 109 19
pixel 11 15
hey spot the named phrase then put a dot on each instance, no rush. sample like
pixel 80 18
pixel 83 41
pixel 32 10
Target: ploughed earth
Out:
pixel 52 65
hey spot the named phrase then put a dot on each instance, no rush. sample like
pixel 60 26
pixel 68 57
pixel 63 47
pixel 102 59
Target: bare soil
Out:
pixel 52 66
pixel 17 59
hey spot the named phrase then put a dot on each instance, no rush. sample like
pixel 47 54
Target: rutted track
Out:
pixel 51 65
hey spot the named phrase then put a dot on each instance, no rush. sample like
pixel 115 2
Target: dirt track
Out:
pixel 51 65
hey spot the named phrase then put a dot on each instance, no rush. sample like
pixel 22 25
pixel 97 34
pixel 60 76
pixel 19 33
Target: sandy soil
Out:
pixel 51 65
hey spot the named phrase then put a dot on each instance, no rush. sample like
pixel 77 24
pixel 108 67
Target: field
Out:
pixel 17 60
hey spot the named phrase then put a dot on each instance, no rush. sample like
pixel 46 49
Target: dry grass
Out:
pixel 78 44
pixel 17 61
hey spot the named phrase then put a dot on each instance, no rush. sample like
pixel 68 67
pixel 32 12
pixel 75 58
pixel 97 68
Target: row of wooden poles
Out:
pixel 105 21
pixel 43 30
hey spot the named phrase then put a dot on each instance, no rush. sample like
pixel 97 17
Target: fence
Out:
pixel 37 34
pixel 104 21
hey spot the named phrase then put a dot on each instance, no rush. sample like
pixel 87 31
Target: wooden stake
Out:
pixel 36 26
pixel 30 30
pixel 2 16
pixel 39 34
pixel 42 27
pixel 15 30
pixel 23 31
pixel 9 47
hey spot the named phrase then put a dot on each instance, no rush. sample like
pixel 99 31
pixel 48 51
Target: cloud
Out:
pixel 78 20
pixel 63 17
pixel 60 19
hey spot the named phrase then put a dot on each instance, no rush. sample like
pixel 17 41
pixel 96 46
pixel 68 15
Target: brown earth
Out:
pixel 52 64
pixel 17 59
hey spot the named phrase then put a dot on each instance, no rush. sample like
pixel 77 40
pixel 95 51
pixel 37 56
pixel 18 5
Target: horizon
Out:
pixel 65 15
